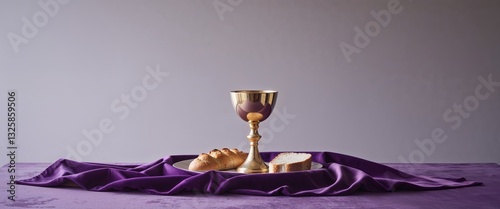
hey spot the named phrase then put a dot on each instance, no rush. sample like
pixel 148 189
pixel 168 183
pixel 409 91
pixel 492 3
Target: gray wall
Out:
pixel 349 81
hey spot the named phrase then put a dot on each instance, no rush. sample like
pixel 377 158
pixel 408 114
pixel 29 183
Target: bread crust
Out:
pixel 223 159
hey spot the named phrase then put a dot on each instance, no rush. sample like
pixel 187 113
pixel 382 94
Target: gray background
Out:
pixel 393 93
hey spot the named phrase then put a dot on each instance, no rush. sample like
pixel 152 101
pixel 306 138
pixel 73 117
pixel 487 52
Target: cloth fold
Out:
pixel 341 175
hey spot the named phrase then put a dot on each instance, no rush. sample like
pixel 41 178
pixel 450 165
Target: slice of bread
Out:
pixel 290 161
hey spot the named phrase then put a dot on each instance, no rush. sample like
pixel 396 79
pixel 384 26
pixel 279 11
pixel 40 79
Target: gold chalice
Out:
pixel 253 106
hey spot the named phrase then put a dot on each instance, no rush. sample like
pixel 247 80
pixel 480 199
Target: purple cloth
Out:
pixel 342 175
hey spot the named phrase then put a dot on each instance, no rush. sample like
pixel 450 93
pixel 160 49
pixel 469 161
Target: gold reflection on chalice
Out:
pixel 253 106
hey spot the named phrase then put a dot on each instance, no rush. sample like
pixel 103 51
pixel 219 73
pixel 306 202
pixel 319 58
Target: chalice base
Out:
pixel 253 163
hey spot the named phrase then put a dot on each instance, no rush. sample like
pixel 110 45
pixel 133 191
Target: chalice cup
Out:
pixel 253 106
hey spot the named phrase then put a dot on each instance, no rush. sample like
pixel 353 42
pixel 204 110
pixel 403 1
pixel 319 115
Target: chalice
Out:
pixel 253 106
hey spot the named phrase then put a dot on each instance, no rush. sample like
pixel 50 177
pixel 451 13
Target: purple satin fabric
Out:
pixel 341 175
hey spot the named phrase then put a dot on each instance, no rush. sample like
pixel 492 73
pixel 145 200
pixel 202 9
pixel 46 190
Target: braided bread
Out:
pixel 223 159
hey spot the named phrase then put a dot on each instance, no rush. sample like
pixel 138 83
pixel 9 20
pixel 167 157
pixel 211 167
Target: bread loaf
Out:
pixel 286 162
pixel 223 159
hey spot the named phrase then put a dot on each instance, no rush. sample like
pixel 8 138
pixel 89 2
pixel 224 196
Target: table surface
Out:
pixel 486 196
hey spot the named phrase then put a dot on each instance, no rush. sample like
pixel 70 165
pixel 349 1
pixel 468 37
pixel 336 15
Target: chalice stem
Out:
pixel 254 162
pixel 254 138
pixel 254 135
